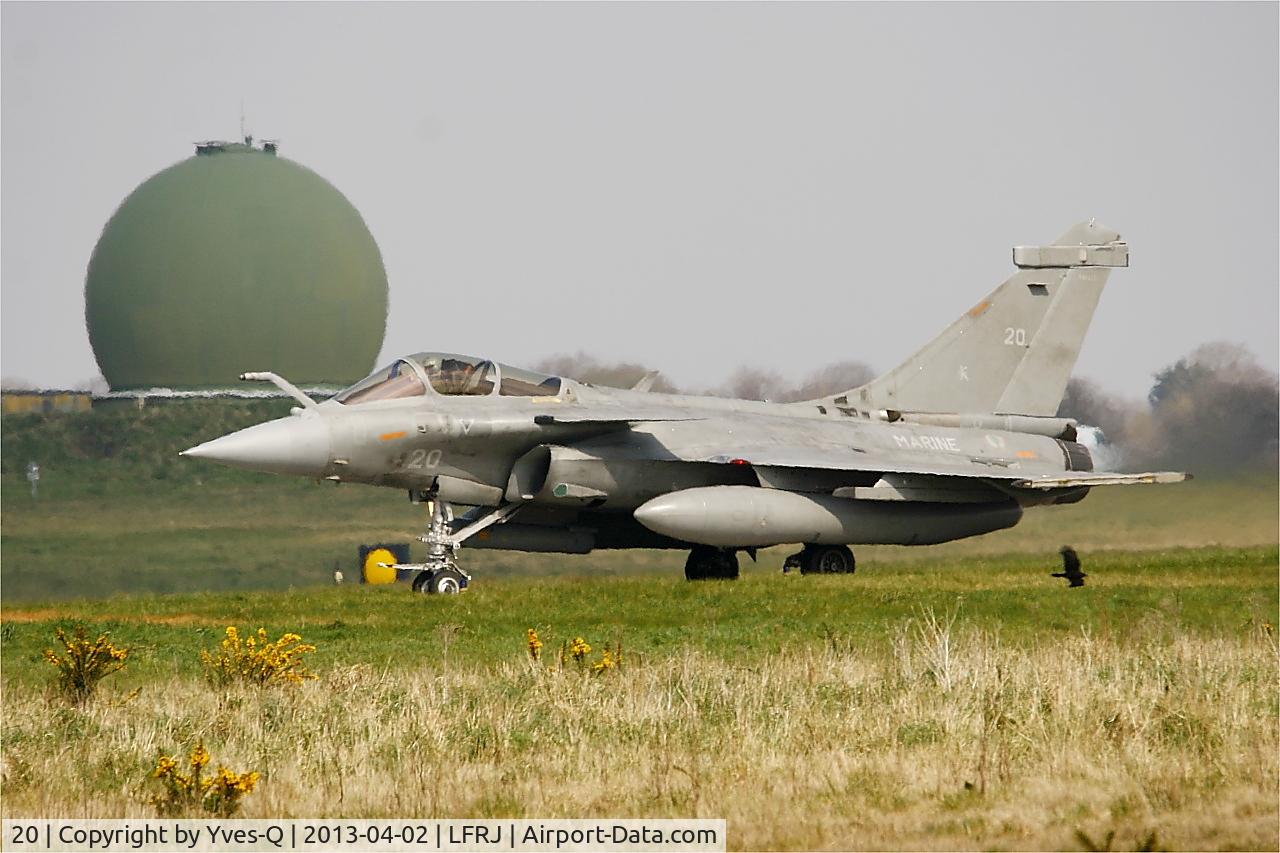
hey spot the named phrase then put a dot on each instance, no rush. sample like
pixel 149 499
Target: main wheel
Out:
pixel 707 563
pixel 728 566
pixel 445 582
pixel 698 565
pixel 827 560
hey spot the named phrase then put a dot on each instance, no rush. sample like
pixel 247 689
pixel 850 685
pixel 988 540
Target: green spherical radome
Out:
pixel 235 261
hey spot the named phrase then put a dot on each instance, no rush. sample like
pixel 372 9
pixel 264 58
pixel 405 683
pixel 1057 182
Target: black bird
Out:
pixel 1070 567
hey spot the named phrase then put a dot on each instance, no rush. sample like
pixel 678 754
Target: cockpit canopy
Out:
pixel 450 375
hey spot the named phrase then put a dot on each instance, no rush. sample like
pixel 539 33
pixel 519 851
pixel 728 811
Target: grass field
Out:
pixel 953 705
pixel 946 697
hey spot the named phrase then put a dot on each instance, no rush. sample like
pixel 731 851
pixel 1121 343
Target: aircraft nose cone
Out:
pixel 292 445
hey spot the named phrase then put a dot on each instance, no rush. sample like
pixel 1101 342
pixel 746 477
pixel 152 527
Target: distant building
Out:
pixel 44 402
pixel 231 261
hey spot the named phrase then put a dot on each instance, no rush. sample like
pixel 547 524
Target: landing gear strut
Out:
pixel 708 563
pixel 822 560
pixel 439 573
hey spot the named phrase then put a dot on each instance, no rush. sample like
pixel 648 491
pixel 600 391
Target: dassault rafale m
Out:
pixel 956 441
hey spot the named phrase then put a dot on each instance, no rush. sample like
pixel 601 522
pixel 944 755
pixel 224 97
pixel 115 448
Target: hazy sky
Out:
pixel 694 186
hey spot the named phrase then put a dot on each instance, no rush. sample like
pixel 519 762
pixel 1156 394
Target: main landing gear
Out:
pixel 822 560
pixel 440 574
pixel 708 563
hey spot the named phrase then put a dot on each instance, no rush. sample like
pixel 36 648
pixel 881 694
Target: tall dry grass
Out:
pixel 937 736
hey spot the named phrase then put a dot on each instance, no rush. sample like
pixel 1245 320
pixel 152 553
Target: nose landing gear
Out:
pixel 449 580
pixel 440 573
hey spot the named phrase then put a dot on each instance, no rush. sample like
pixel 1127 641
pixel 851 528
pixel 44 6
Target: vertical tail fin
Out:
pixel 1013 352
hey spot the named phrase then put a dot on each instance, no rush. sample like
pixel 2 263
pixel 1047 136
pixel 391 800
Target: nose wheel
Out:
pixel 440 574
pixel 446 581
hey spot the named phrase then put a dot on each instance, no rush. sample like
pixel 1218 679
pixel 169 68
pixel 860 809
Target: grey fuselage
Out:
pixel 583 461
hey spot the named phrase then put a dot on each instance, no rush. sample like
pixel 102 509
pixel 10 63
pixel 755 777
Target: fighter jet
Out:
pixel 956 441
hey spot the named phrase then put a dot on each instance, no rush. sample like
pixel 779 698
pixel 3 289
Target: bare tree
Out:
pixel 1089 404
pixel 756 383
pixel 588 368
pixel 834 378
pixel 753 383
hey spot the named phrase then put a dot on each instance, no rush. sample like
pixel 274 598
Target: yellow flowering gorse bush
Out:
pixel 609 660
pixel 257 660
pixel 84 663
pixel 181 793
pixel 579 649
